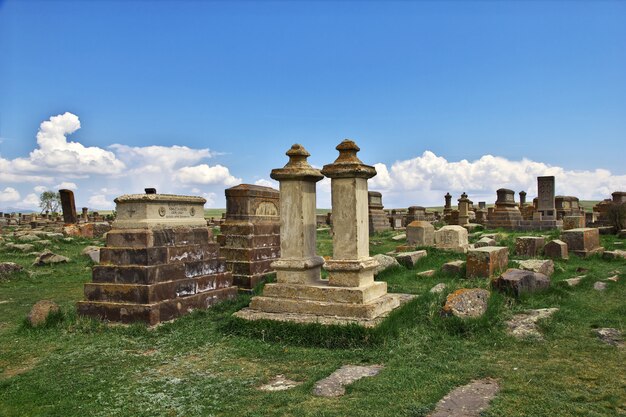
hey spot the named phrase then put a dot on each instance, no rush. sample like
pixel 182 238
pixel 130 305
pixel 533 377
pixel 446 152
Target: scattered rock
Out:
pixel 7 268
pixel 40 312
pixel 614 278
pixel 428 273
pixel 93 252
pixel 47 257
pixel 543 266
pixel 453 268
pixel 334 385
pixel 24 247
pixel 572 282
pixel 279 383
pixel 520 281
pixel 556 249
pixel 525 324
pixel 610 336
pixel 622 234
pixel 467 401
pixel 68 239
pixel 399 237
pixel 438 289
pixel 614 254
pixel 581 270
pixel 44 242
pixel 599 286
pixel 28 238
pixel 466 302
pixel 409 259
pixel 385 262
pixel 485 241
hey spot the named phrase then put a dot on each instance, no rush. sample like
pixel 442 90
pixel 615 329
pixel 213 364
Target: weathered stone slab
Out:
pixel 583 241
pixel 420 233
pixel 409 259
pixel 556 249
pixel 438 289
pixel 147 211
pixel 525 324
pixel 572 282
pixel 614 254
pixel 428 273
pixel 520 281
pixel 399 237
pixel 452 238
pixel 573 222
pixel 467 401
pixel 600 286
pixel 485 241
pixel 466 303
pixel 487 261
pixel 543 266
pixel 453 267
pixel 47 257
pixel 385 262
pixel 334 385
pixel 610 336
pixel 529 246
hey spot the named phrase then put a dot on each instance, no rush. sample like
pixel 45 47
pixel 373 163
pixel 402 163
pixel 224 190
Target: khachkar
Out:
pixel 350 295
pixel 250 239
pixel 160 262
pixel 68 206
pixel 378 221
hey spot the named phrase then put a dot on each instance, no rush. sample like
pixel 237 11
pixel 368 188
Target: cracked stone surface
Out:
pixel 610 336
pixel 279 383
pixel 334 385
pixel 525 324
pixel 469 400
pixel 437 289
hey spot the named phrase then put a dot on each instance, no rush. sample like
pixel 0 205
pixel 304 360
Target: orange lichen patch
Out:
pixel 450 298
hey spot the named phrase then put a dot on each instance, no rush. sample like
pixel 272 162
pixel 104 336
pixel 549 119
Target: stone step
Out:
pixel 250 254
pixel 146 294
pixel 249 241
pixel 151 274
pixel 158 255
pixel 369 310
pixel 143 238
pixel 155 312
pixel 321 291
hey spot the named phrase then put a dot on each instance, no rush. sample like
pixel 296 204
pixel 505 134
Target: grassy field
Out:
pixel 205 364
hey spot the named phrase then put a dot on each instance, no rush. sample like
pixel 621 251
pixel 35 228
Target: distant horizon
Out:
pixel 108 98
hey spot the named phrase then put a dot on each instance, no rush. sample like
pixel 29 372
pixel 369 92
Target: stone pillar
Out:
pixel 377 218
pixel 298 263
pixel 351 265
pixel 482 205
pixel 522 198
pixel 68 206
pixel 85 213
pixel 506 213
pixel 545 194
pixel 463 210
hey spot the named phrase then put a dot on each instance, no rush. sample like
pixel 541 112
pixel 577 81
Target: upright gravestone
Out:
pixel 85 214
pixel 378 221
pixel 463 210
pixel 160 262
pixel 522 198
pixel 68 206
pixel 250 234
pixel 545 198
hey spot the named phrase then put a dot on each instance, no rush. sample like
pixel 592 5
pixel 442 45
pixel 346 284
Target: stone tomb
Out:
pixel 505 214
pixel 378 221
pixel 420 233
pixel 160 262
pixel 453 238
pixel 350 295
pixel 529 245
pixel 250 239
pixel 487 261
pixel 584 241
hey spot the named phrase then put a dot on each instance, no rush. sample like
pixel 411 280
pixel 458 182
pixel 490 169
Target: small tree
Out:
pixel 49 201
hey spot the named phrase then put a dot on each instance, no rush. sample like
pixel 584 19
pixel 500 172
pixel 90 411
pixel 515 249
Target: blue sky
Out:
pixel 194 97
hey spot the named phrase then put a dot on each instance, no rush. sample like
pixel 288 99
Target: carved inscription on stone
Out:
pixel 375 200
pixel 265 208
pixel 545 191
pixel 178 211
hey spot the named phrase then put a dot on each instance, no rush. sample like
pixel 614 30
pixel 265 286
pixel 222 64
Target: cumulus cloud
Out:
pixel 205 174
pixel 66 186
pixel 56 154
pixel 159 158
pixel 40 189
pixel 30 201
pixel 101 201
pixel 9 194
pixel 424 179
pixel 267 183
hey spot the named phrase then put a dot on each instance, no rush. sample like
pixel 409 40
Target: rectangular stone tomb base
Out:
pixel 324 304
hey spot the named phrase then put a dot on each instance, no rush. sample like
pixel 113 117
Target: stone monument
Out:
pixel 463 210
pixel 378 221
pixel 545 198
pixel 505 214
pixel 250 239
pixel 68 206
pixel 160 262
pixel 350 295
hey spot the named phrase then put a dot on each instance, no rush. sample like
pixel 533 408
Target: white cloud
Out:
pixel 424 180
pixel 8 195
pixel 267 183
pixel 30 201
pixel 101 201
pixel 205 174
pixel 56 154
pixel 40 189
pixel 66 185
pixel 159 158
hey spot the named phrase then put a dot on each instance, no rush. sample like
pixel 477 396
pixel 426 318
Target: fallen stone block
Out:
pixel 530 246
pixel 543 266
pixel 7 268
pixel 385 262
pixel 453 267
pixel 439 288
pixel 610 336
pixel 467 401
pixel 47 257
pixel 409 259
pixel 399 237
pixel 614 254
pixel 466 302
pixel 518 281
pixel 486 262
pixel 485 241
pixel 556 249
pixel 428 273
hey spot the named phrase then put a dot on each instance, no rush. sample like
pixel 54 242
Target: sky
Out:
pixel 192 97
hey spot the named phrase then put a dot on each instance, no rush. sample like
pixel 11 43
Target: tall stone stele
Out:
pixel 350 294
pixel 463 210
pixel 160 262
pixel 68 206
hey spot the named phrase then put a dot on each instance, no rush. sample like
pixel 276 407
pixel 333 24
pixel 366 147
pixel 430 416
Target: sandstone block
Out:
pixel 520 281
pixel 409 259
pixel 543 266
pixel 573 222
pixel 40 312
pixel 384 262
pixel 452 238
pixel 484 241
pixel 487 261
pixel 614 254
pixel 529 246
pixel 453 267
pixel 466 303
pixel 583 241
pixel 420 233
pixel 556 249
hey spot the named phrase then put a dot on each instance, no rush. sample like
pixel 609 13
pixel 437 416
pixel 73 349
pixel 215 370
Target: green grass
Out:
pixel 208 363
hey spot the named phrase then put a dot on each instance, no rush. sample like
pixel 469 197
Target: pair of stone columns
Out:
pixel 351 265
